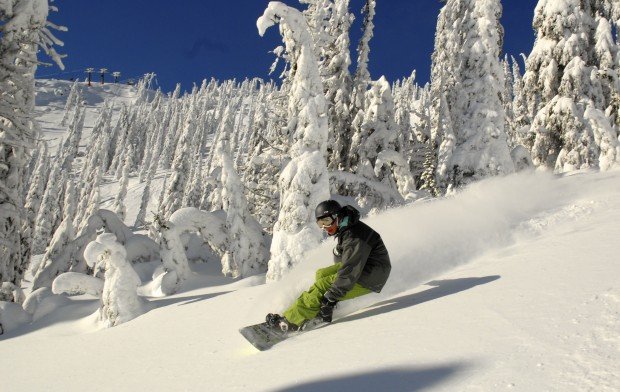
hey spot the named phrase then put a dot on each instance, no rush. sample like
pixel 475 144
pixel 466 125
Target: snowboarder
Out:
pixel 361 266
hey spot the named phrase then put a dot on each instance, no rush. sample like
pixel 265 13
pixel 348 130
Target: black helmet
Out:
pixel 327 208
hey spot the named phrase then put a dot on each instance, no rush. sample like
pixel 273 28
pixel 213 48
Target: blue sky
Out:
pixel 189 40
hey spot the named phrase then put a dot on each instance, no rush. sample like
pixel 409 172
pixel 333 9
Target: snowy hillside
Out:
pixel 51 97
pixel 510 284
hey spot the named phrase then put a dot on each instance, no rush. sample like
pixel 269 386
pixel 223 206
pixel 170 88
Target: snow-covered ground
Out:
pixel 509 285
pixel 512 284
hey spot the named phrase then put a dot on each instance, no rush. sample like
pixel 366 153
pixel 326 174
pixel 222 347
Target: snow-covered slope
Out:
pixel 51 97
pixel 510 285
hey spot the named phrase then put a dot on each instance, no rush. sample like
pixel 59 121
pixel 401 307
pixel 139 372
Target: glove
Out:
pixel 327 309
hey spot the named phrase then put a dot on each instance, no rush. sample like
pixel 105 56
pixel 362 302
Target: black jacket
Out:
pixel 363 255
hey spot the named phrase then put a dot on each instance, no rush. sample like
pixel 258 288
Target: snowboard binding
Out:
pixel 278 322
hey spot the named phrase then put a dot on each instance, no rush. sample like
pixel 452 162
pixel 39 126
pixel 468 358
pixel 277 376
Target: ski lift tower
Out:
pixel 103 71
pixel 90 71
pixel 116 76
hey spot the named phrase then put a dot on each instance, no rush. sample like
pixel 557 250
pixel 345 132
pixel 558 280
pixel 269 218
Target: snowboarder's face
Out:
pixel 331 230
pixel 325 221
pixel 329 224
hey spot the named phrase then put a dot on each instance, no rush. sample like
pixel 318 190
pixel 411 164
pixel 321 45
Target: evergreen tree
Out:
pixel 246 254
pixel 362 78
pixel 69 149
pixel 94 198
pixel 337 82
pixel 119 301
pixel 378 142
pixel 119 202
pixel 318 16
pixel 38 182
pixel 49 214
pixel 146 197
pixel 56 259
pixel 180 166
pixel 521 121
pixel 304 181
pixel 213 190
pixel 415 126
pixel 478 147
pixel 563 81
pixel 73 101
pixel 507 101
pixel 446 68
pixel 266 155
pixel 427 179
pixel 23 30
pixel 445 84
pixel 193 192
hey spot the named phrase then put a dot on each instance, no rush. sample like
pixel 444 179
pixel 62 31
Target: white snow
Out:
pixel 510 284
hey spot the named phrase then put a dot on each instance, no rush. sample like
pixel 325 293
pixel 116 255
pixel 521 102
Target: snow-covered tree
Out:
pixel 55 260
pixel 49 214
pixel 73 100
pixel 445 85
pixel 121 140
pixel 119 301
pixel 94 198
pixel 361 79
pixel 144 202
pixel 377 142
pixel 520 117
pixel 266 155
pixel 605 138
pixel 54 263
pixel 478 147
pixel 570 72
pixel 119 202
pixel 172 122
pixel 304 181
pixel 507 100
pixel 69 205
pixel 23 30
pixel 246 254
pixel 180 165
pixel 337 82
pixel 445 67
pixel 427 178
pixel 175 269
pixel 38 181
pixel 160 124
pixel 193 190
pixel 563 139
pixel 69 148
pixel 213 186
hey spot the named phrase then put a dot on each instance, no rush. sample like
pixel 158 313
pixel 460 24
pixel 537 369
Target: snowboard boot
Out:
pixel 280 323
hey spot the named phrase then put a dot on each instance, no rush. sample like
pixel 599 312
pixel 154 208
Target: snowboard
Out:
pixel 263 337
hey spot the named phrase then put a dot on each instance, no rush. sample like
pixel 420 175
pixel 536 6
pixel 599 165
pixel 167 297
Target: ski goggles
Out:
pixel 325 221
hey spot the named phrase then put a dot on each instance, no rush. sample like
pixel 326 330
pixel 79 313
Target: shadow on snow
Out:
pixel 167 301
pixel 394 380
pixel 83 308
pixel 441 288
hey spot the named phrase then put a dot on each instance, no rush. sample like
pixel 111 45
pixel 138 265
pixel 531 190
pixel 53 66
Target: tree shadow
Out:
pixel 393 380
pixel 65 314
pixel 441 288
pixel 165 301
pixel 81 309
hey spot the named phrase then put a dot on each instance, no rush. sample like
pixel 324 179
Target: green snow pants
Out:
pixel 308 304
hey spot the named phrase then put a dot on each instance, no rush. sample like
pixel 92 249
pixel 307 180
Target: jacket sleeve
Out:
pixel 355 253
